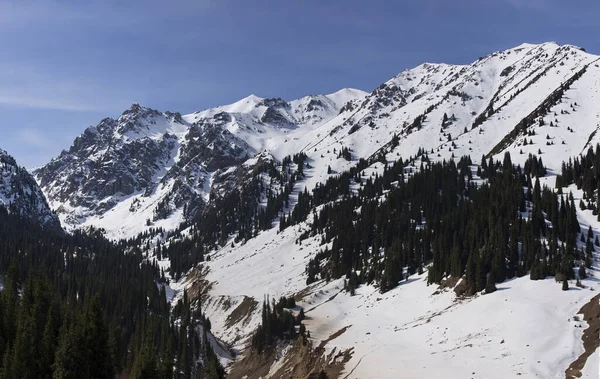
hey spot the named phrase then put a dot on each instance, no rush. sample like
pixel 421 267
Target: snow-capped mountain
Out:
pixel 160 167
pixel 476 109
pixel 20 193
pixel 149 168
pixel 147 164
pixel 533 99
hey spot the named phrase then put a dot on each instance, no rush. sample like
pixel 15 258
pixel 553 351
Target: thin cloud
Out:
pixel 27 86
pixel 33 137
pixel 15 13
pixel 100 13
pixel 44 103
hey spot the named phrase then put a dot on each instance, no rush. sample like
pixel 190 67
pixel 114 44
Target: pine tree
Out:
pixel 480 280
pixel 24 357
pixel 6 370
pixel 166 363
pixel 491 283
pixel 96 333
pixel 471 275
pixel 49 342
pixel 145 366
pixel 71 361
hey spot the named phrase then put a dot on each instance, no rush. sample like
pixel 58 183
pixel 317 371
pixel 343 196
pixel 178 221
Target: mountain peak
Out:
pixel 348 90
pixel 135 108
pixel 344 95
pixel 244 105
pixel 136 117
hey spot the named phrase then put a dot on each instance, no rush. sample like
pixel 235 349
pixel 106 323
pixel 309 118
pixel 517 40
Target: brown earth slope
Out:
pixel 590 337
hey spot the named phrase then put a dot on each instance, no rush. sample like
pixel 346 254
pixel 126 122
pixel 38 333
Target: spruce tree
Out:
pixel 71 361
pixel 96 333
pixel 491 283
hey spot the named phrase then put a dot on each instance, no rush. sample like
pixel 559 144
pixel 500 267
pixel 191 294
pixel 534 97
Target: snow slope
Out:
pixel 511 83
pixel 526 328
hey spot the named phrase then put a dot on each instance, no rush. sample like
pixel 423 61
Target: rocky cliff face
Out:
pixel 157 169
pixel 19 193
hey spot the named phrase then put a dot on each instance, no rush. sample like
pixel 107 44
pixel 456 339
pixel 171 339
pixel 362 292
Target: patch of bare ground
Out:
pixel 449 282
pixel 305 292
pixel 199 286
pixel 334 336
pixel 242 312
pixel 590 337
pixel 301 361
pixel 253 365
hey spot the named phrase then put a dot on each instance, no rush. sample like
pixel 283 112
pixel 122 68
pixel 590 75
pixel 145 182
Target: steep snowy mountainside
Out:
pixel 140 170
pixel 20 193
pixel 483 102
pixel 111 162
pixel 454 110
pixel 416 329
pixel 527 328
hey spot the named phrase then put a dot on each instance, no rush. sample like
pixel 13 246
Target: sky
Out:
pixel 65 65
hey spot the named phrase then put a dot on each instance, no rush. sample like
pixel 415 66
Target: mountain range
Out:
pixel 147 164
pixel 155 175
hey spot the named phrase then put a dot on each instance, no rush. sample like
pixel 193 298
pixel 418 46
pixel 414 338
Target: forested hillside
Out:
pixel 79 306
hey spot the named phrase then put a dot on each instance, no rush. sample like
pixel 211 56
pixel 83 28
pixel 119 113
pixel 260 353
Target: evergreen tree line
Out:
pixel 78 306
pixel 439 216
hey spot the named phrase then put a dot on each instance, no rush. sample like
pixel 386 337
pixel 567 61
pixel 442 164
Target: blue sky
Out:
pixel 65 65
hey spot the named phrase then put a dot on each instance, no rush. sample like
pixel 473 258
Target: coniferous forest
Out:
pixel 95 306
pixel 486 221
pixel 501 225
pixel 79 306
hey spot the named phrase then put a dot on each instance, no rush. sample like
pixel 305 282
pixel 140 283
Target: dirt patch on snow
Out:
pixel 334 336
pixel 300 361
pixel 241 313
pixel 449 282
pixel 590 337
pixel 253 365
pixel 198 286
